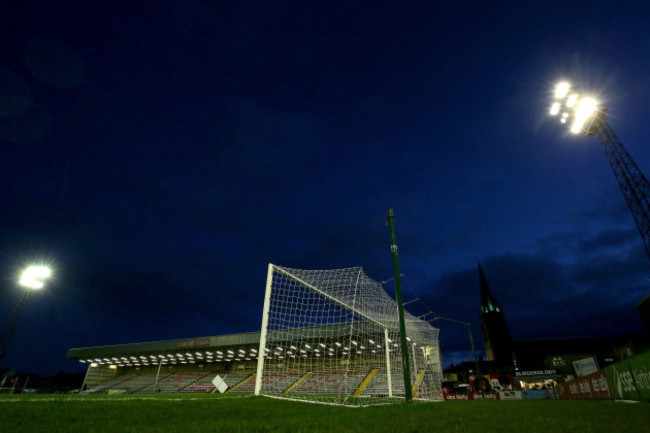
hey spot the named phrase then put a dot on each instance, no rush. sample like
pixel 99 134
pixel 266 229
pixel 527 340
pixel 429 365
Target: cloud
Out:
pixel 572 284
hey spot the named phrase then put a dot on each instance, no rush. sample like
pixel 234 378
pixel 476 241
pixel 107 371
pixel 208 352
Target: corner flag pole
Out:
pixel 400 309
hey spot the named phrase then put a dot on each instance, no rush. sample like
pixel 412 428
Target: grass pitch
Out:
pixel 210 413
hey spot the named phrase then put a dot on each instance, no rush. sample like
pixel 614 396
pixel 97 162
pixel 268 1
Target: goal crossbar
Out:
pixel 327 296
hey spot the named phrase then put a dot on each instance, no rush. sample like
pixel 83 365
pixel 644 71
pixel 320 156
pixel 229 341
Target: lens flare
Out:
pixel 584 112
pixel 33 277
pixel 561 90
pixel 555 108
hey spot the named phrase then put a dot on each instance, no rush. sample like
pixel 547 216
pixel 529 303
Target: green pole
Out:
pixel 400 309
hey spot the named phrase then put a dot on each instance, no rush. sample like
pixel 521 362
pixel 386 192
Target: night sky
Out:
pixel 158 155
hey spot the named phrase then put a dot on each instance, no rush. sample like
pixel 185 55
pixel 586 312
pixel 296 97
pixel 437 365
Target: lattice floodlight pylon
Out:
pixel 332 336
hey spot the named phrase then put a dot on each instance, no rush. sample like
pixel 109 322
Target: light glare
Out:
pixel 584 111
pixel 33 277
pixel 571 101
pixel 555 108
pixel 561 90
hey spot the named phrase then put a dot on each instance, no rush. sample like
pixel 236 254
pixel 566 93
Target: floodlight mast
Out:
pixel 33 278
pixel 468 325
pixel 592 121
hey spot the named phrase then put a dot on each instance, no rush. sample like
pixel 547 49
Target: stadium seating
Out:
pixel 203 384
pixel 193 380
pixel 199 387
pixel 234 382
pixel 140 382
pixel 174 382
pixel 278 382
pixel 113 383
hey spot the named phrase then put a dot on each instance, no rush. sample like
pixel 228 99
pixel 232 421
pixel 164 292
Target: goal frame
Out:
pixel 351 309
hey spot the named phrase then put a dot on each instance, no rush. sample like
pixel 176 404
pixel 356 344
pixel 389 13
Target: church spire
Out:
pixel 488 302
pixel 496 336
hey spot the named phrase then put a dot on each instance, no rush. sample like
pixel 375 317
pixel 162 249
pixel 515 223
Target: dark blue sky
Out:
pixel 160 154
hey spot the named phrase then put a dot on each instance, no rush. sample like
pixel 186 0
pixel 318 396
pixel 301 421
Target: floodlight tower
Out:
pixel 468 325
pixel 33 278
pixel 585 115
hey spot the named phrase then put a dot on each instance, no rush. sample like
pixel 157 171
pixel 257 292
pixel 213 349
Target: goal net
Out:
pixel 332 336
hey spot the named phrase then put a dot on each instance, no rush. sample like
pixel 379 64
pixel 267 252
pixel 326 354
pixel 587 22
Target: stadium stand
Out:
pixel 190 366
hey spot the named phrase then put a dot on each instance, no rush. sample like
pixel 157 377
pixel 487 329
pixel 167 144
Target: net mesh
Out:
pixel 332 336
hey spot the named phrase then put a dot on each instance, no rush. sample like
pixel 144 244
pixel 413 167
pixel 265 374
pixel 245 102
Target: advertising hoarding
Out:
pixel 585 366
pixel 472 396
pixel 630 379
pixel 510 395
pixel 591 386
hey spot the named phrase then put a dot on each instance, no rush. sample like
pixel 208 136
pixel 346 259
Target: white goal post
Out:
pixel 332 336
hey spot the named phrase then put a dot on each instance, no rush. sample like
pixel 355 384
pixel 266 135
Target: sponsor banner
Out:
pixel 459 397
pixel 640 367
pixel 535 394
pixel 485 396
pixel 585 366
pixel 193 344
pixel 620 381
pixel 591 386
pixel 630 379
pixel 535 373
pixel 510 395
pixel 472 396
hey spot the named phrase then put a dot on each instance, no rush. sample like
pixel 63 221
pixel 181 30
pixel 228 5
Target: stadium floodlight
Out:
pixel 584 110
pixel 587 115
pixel 579 110
pixel 562 89
pixel 31 279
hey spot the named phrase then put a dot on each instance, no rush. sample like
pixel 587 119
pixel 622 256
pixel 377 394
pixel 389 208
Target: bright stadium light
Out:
pixel 34 277
pixel 578 110
pixel 571 100
pixel 584 111
pixel 555 108
pixel 561 90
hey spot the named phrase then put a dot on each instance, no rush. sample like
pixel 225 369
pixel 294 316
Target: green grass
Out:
pixel 210 413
